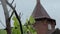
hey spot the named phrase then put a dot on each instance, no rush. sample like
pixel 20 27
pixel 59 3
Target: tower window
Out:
pixel 49 27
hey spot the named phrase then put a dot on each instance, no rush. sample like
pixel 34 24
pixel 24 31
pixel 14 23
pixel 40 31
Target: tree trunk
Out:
pixel 8 27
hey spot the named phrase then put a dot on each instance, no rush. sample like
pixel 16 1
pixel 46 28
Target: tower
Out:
pixel 44 23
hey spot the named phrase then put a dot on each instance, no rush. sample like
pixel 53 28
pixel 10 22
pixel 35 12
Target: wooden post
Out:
pixel 8 27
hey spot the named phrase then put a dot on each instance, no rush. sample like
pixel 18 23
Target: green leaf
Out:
pixel 3 31
pixel 16 23
pixel 32 20
pixel 26 26
pixel 16 28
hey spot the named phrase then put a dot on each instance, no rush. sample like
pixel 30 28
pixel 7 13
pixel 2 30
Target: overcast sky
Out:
pixel 26 7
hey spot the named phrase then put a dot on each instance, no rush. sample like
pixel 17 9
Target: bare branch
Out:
pixel 16 16
pixel 11 15
pixel 12 12
pixel 20 15
pixel 12 2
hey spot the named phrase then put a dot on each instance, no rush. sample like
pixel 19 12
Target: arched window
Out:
pixel 49 27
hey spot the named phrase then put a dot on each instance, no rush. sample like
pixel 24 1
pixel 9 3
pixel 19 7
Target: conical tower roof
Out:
pixel 39 11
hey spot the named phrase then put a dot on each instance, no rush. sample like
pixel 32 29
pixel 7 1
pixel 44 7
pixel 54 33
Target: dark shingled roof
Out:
pixel 39 11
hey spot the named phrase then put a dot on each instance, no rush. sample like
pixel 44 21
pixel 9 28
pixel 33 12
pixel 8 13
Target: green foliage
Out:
pixel 30 29
pixel 16 28
pixel 16 23
pixel 27 27
pixel 32 20
pixel 3 31
pixel 24 30
pixel 15 31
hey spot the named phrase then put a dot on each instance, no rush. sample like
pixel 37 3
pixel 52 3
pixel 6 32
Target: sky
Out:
pixel 26 7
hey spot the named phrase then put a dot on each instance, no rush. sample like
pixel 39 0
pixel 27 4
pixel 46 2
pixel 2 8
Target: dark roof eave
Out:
pixel 49 19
